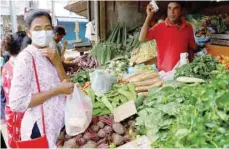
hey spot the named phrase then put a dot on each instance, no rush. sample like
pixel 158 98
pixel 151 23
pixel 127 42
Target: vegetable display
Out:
pixel 82 63
pixel 203 32
pixel 192 111
pixel 119 94
pixel 105 51
pixel 80 77
pixel 118 35
pixel 144 80
pixel 219 23
pixel 187 116
pixel 117 66
pixel 222 59
pixel 144 52
pixel 201 67
pixel 102 133
pixel 119 43
pixel 144 67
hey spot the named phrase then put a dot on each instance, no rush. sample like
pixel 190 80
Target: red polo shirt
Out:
pixel 171 41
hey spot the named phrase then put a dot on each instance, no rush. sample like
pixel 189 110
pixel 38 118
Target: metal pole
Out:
pixel 54 23
pixel 13 16
pixel 96 12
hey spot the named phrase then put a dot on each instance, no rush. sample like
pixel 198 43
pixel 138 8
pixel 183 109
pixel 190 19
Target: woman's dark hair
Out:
pixel 60 30
pixel 27 41
pixel 28 21
pixel 12 42
pixel 36 14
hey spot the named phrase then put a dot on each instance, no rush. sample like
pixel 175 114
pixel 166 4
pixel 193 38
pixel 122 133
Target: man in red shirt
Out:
pixel 173 36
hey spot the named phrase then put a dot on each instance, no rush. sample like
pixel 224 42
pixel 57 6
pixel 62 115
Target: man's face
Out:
pixel 58 37
pixel 174 12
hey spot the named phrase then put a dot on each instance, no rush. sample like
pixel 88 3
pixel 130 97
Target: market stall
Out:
pixel 136 106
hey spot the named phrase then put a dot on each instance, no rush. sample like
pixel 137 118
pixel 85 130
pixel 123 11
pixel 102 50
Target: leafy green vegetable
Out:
pixel 201 67
pixel 105 103
pixel 80 77
pixel 118 65
pixel 187 116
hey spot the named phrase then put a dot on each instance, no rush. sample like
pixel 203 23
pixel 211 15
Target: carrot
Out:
pixel 87 84
pixel 146 88
pixel 147 82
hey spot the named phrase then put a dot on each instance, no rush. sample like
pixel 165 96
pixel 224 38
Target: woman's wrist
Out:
pixel 55 91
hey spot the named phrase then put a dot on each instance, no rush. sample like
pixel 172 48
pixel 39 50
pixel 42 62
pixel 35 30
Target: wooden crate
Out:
pixel 219 42
pixel 220 36
pixel 220 39
pixel 216 50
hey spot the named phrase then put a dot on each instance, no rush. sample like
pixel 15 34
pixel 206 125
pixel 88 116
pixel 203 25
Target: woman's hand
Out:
pixel 52 55
pixel 65 87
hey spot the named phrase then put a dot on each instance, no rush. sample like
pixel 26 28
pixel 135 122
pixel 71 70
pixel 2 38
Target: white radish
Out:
pixel 189 80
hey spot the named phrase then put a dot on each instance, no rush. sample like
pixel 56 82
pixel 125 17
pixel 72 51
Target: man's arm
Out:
pixel 64 48
pixel 192 43
pixel 145 27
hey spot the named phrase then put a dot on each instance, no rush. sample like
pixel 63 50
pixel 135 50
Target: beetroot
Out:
pixel 101 133
pixel 100 124
pixel 87 136
pixel 108 129
pixel 118 128
pixel 95 128
pixel 117 139
pixel 71 143
pixel 90 144
pixel 81 141
pixel 127 138
pixel 104 145
pixel 106 120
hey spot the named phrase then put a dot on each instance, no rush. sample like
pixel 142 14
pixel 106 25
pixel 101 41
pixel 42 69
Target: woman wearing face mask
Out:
pixel 24 96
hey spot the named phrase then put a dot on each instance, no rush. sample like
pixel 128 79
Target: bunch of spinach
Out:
pixel 190 116
pixel 80 77
pixel 201 67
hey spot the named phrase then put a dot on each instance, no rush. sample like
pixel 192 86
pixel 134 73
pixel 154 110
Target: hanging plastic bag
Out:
pixel 78 112
pixel 101 81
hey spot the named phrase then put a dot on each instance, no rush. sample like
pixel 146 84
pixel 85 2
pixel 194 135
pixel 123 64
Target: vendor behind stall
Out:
pixel 58 34
pixel 173 36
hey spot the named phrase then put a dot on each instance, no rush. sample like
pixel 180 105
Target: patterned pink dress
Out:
pixel 23 85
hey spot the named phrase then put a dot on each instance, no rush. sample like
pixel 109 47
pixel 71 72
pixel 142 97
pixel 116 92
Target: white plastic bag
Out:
pixel 78 112
pixel 101 81
pixel 168 76
pixel 154 5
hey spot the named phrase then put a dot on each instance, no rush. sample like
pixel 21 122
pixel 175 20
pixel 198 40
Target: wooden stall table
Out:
pixel 216 50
